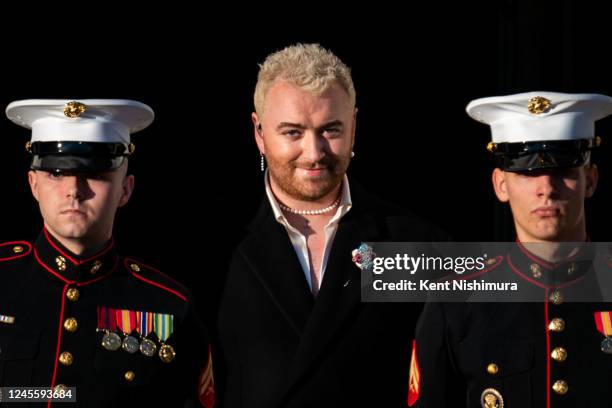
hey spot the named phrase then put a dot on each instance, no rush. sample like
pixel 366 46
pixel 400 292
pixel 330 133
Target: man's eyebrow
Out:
pixel 332 123
pixel 289 124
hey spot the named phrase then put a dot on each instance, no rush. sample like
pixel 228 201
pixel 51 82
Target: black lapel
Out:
pixel 270 254
pixel 340 292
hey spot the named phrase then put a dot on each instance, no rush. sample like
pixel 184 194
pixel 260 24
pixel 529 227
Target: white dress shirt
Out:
pixel 299 241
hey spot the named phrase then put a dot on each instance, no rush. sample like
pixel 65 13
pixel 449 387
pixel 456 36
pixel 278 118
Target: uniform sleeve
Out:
pixel 434 382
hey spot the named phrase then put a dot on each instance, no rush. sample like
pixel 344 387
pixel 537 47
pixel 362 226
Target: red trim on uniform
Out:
pixel 414 381
pixel 159 285
pixel 533 257
pixel 71 259
pixel 21 255
pixel 127 261
pixel 177 283
pixel 547 348
pixel 520 274
pixel 49 269
pixel 528 279
pixel 59 338
pixel 101 276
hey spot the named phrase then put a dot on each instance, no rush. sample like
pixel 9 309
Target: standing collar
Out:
pixel 68 267
pixel 548 274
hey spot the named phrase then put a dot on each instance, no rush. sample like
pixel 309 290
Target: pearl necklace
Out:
pixel 311 212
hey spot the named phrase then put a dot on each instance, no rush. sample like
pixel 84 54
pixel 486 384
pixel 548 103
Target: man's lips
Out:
pixel 72 211
pixel 546 212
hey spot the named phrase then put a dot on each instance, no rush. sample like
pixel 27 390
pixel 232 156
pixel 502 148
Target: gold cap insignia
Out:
pixel 74 109
pixel 538 104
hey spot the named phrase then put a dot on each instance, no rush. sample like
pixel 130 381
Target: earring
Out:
pixel 262 162
pixel 352 154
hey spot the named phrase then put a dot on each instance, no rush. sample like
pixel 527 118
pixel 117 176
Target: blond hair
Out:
pixel 309 66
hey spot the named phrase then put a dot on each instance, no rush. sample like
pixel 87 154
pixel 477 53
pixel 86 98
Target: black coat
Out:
pixel 537 354
pixel 283 348
pixel 50 301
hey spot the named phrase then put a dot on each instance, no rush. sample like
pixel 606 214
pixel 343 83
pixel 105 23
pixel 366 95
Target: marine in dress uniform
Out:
pixel 549 353
pixel 119 331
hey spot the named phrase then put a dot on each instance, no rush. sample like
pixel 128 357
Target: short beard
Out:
pixel 283 175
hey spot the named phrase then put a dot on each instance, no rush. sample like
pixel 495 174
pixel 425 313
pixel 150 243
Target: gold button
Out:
pixel 129 376
pixel 60 387
pixel 556 325
pixel 559 354
pixel 96 267
pixel 560 387
pixel 492 369
pixel 556 297
pixel 71 324
pixel 536 271
pixel 18 249
pixel 72 294
pixel 135 267
pixel 66 358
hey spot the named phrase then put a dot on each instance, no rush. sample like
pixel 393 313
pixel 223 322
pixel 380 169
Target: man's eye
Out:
pixel 292 133
pixel 332 132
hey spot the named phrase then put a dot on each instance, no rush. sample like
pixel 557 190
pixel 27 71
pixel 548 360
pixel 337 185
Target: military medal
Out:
pixel 603 321
pixel 148 347
pixel 144 327
pixel 107 322
pixel 163 324
pixel 126 321
pixel 111 341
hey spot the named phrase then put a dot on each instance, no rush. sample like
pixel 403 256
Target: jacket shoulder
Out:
pixel 12 250
pixel 152 276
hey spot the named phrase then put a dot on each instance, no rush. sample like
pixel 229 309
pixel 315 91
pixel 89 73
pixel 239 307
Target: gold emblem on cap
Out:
pixel 560 387
pixel 18 249
pixel 536 271
pixel 61 263
pixel 74 109
pixel 491 147
pixel 538 104
pixel 491 398
pixel 597 141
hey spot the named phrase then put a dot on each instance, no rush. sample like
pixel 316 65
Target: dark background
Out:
pixel 197 168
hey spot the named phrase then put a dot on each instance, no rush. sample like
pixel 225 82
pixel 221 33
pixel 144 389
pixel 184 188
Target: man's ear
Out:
pixel 257 132
pixel 354 127
pixel 499 185
pixel 592 176
pixel 33 181
pixel 127 190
